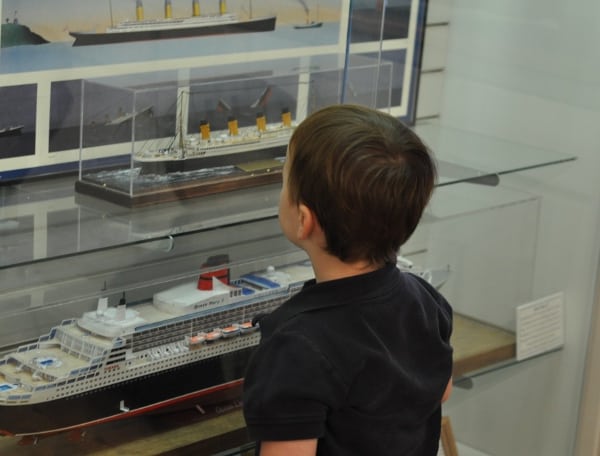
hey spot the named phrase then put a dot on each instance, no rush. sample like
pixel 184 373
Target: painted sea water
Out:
pixel 62 55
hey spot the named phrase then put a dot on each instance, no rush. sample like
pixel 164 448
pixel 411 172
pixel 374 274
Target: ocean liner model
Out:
pixel 190 151
pixel 192 341
pixel 171 27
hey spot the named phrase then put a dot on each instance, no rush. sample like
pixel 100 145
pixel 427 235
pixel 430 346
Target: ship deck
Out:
pixel 67 363
pixel 74 350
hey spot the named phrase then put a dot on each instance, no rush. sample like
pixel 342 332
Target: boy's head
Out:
pixel 365 176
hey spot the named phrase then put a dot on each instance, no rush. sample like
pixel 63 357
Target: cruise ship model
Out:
pixel 196 25
pixel 189 151
pixel 190 342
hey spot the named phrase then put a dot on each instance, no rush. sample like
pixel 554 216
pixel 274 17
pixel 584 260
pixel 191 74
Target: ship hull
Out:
pixel 203 382
pixel 266 24
pixel 211 161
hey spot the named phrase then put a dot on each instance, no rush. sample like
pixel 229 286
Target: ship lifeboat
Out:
pixel 214 335
pixel 231 331
pixel 248 327
pixel 197 339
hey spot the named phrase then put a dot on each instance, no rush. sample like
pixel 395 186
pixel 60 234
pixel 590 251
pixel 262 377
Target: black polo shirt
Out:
pixel 360 363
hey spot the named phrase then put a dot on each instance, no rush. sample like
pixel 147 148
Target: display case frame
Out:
pixel 200 131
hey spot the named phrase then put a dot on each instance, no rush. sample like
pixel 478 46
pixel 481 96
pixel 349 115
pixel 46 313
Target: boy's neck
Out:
pixel 327 267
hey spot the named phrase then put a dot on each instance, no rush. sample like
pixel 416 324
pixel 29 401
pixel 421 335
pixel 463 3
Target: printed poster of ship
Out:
pixel 39 38
pixel 92 23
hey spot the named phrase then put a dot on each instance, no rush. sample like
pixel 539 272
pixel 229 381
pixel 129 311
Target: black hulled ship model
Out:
pixel 196 25
pixel 189 342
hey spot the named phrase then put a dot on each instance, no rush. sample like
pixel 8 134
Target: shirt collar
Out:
pixel 332 293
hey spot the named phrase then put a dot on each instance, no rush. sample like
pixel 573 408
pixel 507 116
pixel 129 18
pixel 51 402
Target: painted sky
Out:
pixel 54 19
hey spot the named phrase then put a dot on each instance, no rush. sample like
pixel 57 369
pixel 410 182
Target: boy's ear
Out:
pixel 306 222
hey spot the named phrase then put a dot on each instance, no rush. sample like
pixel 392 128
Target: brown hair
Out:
pixel 366 176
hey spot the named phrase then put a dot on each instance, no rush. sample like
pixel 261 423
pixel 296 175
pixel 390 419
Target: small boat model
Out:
pixel 123 117
pixel 170 27
pixel 12 130
pixel 189 343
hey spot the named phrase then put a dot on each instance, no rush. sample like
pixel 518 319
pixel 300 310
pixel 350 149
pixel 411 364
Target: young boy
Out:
pixel 358 362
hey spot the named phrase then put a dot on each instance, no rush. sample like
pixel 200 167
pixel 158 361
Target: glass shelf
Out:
pixel 465 156
pixel 35 215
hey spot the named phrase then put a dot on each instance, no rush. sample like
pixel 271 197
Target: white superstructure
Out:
pixel 111 345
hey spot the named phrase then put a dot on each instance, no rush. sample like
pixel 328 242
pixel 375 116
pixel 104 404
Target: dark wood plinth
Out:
pixel 179 191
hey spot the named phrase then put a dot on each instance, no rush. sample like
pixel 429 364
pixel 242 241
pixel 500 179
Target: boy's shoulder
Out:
pixel 372 294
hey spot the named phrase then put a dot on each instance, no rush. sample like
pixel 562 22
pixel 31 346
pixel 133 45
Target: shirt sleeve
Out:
pixel 288 389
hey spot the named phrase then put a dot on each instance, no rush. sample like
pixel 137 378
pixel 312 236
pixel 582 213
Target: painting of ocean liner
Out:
pixel 142 29
pixel 188 342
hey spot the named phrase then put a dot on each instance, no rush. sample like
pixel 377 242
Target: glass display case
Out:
pixel 84 259
pixel 199 131
pixel 513 219
pixel 523 77
pixel 102 260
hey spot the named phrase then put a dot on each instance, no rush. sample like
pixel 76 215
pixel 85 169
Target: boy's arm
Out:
pixel 448 391
pixel 289 448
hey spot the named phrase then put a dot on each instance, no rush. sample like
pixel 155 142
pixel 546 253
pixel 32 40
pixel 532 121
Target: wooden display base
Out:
pixel 247 175
pixel 202 430
pixel 478 345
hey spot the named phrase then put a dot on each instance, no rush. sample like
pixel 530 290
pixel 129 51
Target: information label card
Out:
pixel 540 326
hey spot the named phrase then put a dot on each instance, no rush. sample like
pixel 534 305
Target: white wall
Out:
pixel 529 71
pixel 588 431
